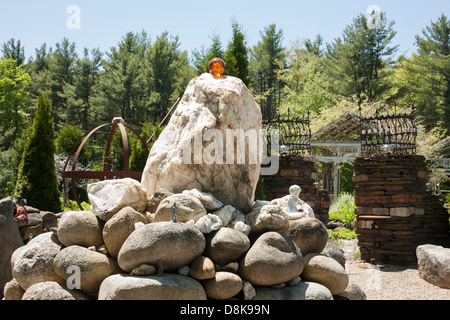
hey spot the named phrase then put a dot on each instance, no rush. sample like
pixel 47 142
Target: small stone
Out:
pixel 248 290
pixel 294 281
pixel 208 201
pixel 208 223
pixel 224 285
pixel 184 270
pixel 230 267
pixel 202 268
pixel 144 270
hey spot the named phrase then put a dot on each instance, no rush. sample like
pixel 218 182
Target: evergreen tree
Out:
pixel 359 62
pixel 167 74
pixel 431 66
pixel 214 51
pixel 13 50
pixel 267 59
pixel 198 61
pixel 60 73
pixel 236 56
pixel 315 47
pixel 36 180
pixel 121 84
pixel 80 92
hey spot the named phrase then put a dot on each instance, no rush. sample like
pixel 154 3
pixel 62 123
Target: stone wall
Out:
pixel 300 171
pixel 394 189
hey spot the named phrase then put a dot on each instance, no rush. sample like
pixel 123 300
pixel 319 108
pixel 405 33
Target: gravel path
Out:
pixel 389 282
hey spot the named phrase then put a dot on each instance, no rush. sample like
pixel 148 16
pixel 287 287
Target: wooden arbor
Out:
pixel 105 174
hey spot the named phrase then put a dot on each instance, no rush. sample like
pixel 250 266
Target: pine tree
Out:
pixel 236 56
pixel 80 92
pixel 267 59
pixel 167 74
pixel 359 62
pixel 121 85
pixel 431 65
pixel 14 50
pixel 214 51
pixel 36 179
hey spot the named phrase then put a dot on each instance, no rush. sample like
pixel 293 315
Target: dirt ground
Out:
pixel 389 282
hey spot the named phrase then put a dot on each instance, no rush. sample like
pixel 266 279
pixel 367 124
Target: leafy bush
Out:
pixel 343 208
pixel 342 234
pixel 67 206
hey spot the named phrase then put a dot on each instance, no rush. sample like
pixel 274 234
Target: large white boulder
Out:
pixel 197 150
pixel 109 196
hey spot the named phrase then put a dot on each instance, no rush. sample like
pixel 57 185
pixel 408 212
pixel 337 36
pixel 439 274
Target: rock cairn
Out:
pixel 202 250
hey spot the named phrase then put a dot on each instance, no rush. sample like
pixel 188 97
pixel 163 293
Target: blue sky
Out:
pixel 104 23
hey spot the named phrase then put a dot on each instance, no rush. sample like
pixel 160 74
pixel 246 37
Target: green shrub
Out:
pixel 343 208
pixel 342 234
pixel 36 178
pixel 72 203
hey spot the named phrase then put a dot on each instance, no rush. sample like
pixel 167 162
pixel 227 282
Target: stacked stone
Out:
pixel 394 189
pixel 295 170
pixel 196 249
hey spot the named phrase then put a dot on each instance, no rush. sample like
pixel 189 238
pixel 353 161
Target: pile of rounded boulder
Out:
pixel 185 246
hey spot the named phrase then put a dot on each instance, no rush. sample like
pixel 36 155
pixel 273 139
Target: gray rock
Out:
pixel 208 201
pixel 226 245
pixel 175 244
pixel 34 262
pixel 156 199
pixel 144 270
pixel 187 208
pixel 202 268
pixel 268 218
pixel 224 285
pixel 304 290
pixel 119 227
pixel 326 271
pixel 34 219
pixel 309 234
pixel 333 251
pixel 81 228
pixel 272 259
pixel 13 291
pixel 50 290
pixel 226 214
pixel 433 264
pixel 107 197
pixel 352 292
pixel 167 287
pixel 93 266
pixel 10 240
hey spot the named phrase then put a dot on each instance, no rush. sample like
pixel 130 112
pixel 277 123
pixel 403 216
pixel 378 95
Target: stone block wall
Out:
pixel 394 189
pixel 300 171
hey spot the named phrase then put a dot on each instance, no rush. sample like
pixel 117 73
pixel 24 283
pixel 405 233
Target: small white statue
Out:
pixel 294 191
pixel 294 207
